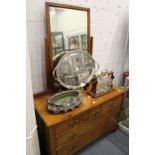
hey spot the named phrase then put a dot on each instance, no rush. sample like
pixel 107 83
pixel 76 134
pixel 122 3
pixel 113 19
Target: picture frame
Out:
pixel 77 41
pixel 74 42
pixel 57 42
pixel 84 42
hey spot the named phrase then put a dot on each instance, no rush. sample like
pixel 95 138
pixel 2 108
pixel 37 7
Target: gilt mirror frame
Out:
pixel 48 40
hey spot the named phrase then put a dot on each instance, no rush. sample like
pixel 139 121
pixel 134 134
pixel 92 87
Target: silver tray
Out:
pixel 64 101
pixel 75 69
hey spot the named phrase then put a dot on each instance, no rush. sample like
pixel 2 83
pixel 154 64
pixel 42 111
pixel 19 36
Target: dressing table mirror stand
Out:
pixel 65 24
pixel 67 133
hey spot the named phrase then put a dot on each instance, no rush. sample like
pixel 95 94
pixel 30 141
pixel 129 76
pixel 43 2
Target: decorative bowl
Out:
pixel 64 101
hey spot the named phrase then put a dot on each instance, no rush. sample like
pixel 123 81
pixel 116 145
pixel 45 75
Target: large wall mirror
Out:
pixel 68 29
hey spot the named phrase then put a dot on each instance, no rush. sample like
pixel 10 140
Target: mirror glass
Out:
pixel 68 30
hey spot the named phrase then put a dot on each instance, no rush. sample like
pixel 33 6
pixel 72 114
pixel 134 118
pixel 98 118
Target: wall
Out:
pixel 109 27
pixel 126 61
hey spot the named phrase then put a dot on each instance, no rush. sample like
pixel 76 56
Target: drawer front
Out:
pixel 117 101
pixel 113 123
pixel 117 111
pixel 110 114
pixel 113 119
pixel 70 147
pixel 101 127
pixel 74 135
pixel 71 123
pixel 106 125
pixel 109 105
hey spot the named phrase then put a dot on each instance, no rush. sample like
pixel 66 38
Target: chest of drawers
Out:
pixel 66 133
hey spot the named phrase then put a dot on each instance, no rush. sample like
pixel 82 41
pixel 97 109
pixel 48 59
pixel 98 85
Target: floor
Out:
pixel 115 143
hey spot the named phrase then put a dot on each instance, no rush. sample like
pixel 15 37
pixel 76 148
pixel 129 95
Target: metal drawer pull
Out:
pixel 94 112
pixel 114 102
pixel 73 136
pixel 71 123
pixel 111 104
pixel 73 148
pixel 76 121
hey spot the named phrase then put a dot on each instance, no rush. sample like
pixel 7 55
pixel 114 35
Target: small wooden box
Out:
pixel 99 94
pixel 101 84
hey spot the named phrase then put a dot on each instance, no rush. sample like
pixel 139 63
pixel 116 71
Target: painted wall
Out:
pixel 126 61
pixel 109 27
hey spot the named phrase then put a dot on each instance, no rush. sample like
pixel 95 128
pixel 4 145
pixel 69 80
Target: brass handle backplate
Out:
pixel 71 123
pixel 72 148
pixel 76 121
pixel 73 136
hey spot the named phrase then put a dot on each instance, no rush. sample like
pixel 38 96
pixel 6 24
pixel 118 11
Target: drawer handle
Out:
pixel 111 104
pixel 94 112
pixel 76 121
pixel 72 148
pixel 109 114
pixel 71 123
pixel 73 136
pixel 114 102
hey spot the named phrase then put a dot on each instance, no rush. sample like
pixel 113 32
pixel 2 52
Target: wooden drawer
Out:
pixel 74 135
pixel 117 110
pixel 70 149
pixel 83 137
pixel 101 127
pixel 109 105
pixel 71 123
pixel 112 117
pixel 117 101
pixel 112 122
pixel 106 125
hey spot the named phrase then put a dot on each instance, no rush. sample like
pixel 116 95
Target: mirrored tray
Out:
pixel 75 69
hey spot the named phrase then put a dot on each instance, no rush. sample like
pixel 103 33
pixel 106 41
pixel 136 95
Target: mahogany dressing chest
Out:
pixel 66 133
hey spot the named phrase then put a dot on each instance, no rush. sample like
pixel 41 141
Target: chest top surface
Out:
pixel 88 102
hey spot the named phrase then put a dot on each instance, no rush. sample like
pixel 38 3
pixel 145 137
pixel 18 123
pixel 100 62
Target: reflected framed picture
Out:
pixel 84 42
pixel 57 39
pixel 57 51
pixel 74 42
pixel 57 42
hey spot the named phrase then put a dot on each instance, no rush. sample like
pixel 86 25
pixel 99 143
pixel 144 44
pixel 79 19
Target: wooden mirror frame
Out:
pixel 48 40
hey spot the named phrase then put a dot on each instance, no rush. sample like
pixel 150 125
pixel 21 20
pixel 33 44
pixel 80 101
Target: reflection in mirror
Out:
pixel 68 30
